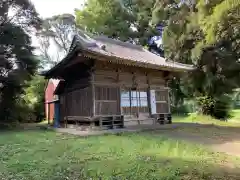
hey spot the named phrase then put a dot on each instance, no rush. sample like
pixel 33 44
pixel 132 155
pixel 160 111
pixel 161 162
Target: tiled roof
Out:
pixel 129 53
pixel 117 52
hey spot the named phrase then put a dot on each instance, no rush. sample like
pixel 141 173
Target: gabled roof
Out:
pixel 119 52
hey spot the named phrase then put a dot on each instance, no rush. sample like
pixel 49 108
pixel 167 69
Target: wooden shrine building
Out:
pixel 109 83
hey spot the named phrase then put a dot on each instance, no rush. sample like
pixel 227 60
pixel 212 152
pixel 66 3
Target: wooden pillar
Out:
pixel 120 99
pixel 137 103
pixel 169 104
pixel 149 95
pixel 119 91
pixel 130 99
pixel 93 96
pixel 66 109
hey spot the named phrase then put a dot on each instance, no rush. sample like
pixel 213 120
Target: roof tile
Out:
pixel 127 51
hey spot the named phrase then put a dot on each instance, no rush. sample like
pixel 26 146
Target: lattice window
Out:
pixel 134 102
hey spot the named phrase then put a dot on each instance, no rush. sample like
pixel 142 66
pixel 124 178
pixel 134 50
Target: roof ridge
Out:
pixel 117 41
pixel 179 63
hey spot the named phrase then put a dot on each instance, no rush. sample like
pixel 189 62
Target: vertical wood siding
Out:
pixel 77 102
pixel 107 100
pixel 133 80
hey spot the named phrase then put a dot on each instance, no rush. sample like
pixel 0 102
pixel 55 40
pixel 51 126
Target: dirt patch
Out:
pixel 220 139
pixel 232 148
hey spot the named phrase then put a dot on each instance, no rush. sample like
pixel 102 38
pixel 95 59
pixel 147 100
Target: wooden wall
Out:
pixel 107 100
pixel 77 103
pixel 76 97
pixel 121 77
pixel 97 91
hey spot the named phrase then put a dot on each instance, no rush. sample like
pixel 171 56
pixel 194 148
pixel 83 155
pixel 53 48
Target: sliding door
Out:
pixel 134 103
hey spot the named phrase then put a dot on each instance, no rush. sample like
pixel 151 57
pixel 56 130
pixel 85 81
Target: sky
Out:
pixel 48 8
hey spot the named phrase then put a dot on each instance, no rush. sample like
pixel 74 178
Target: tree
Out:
pixel 207 35
pixel 33 99
pixel 236 98
pixel 16 58
pixel 105 17
pixel 127 20
pixel 56 32
pixel 141 11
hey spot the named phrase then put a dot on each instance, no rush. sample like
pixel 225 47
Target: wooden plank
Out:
pixel 106 101
pixel 78 118
pixel 126 78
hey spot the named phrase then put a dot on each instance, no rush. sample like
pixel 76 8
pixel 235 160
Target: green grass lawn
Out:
pixel 42 154
pixel 233 121
pixel 235 115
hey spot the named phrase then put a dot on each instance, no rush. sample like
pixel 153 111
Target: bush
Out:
pixel 217 107
pixel 22 104
pixel 222 107
pixel 180 110
pixel 199 118
pixel 188 106
pixel 205 105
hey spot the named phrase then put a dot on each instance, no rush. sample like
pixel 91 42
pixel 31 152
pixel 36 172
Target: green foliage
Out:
pixel 235 114
pixel 17 62
pixel 105 17
pixel 188 106
pixel 33 99
pixel 141 13
pixel 206 104
pixel 222 107
pixel 205 34
pixel 236 98
pixel 218 107
pixel 180 110
pixel 127 20
pixel 214 15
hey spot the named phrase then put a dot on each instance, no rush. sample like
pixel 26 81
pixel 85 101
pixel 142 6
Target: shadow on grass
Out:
pixel 140 156
pixel 26 127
